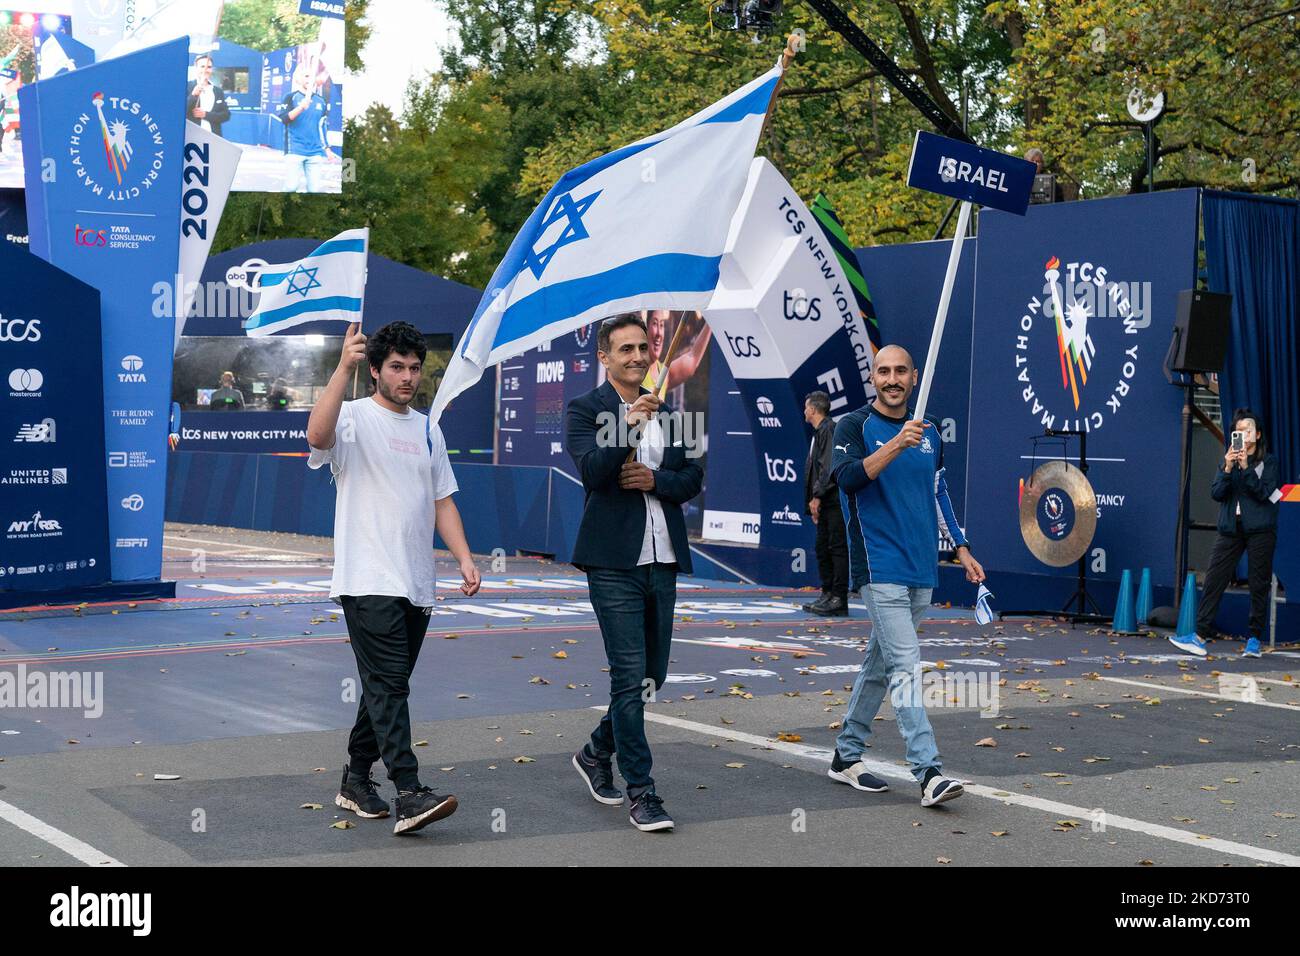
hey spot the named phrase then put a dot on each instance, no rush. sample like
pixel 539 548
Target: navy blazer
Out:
pixel 613 518
pixel 1252 488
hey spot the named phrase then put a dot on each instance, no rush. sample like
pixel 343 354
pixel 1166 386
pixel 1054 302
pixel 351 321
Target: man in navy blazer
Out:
pixel 632 544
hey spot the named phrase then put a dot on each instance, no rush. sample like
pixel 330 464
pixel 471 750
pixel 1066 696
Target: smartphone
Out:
pixel 1238 441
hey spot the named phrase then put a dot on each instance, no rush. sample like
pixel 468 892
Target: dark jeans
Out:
pixel 1258 546
pixel 635 612
pixel 386 634
pixel 833 548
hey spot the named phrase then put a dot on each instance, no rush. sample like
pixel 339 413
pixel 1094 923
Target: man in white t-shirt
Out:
pixel 394 486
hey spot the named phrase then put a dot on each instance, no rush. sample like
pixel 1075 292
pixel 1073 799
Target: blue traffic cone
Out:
pixel 1187 610
pixel 1125 622
pixel 1144 598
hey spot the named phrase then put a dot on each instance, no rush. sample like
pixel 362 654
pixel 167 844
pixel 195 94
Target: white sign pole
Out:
pixel 941 317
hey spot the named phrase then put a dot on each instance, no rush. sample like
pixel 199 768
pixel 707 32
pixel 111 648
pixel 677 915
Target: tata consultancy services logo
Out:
pixel 766 408
pixel 108 165
pixel 1077 345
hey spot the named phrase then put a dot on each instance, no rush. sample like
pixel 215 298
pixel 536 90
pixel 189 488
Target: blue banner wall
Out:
pixel 1116 267
pixel 53 523
pixel 102 159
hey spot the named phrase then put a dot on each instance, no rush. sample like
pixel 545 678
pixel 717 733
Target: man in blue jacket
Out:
pixel 890 473
pixel 632 544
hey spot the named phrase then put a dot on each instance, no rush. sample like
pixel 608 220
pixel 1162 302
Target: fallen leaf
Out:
pixel 735 766
pixel 986 742
pixel 342 825
pixel 524 760
pixel 942 859
pixel 311 806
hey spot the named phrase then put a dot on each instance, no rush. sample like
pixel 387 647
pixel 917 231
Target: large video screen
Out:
pixel 264 74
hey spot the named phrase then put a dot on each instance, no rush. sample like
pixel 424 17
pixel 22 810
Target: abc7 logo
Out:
pixel 247 276
pixel 26 380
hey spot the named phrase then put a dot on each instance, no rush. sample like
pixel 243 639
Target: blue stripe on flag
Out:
pixel 339 245
pixel 329 303
pixel 675 271
pixel 756 101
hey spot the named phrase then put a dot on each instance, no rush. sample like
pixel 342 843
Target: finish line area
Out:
pixel 1083 748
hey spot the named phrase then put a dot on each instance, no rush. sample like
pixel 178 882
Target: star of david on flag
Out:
pixel 327 285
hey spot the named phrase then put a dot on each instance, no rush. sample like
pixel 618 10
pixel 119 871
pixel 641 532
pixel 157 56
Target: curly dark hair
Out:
pixel 400 337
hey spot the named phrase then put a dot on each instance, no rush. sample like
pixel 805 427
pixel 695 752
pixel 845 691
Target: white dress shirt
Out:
pixel 655 543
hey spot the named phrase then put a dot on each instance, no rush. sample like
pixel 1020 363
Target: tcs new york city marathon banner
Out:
pixel 103 164
pixel 1074 310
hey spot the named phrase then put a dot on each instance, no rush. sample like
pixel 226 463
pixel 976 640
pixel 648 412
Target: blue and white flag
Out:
pixel 328 285
pixel 983 612
pixel 643 227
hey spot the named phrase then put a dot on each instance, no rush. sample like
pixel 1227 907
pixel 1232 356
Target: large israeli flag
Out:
pixel 642 227
pixel 329 284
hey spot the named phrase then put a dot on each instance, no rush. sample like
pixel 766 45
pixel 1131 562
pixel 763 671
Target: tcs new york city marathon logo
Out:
pixel 103 147
pixel 1077 345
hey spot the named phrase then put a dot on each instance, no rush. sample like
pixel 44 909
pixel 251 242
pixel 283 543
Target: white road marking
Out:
pixel 82 852
pixel 1202 693
pixel 895 772
pixel 244 547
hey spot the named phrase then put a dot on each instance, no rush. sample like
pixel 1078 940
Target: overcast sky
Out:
pixel 404 41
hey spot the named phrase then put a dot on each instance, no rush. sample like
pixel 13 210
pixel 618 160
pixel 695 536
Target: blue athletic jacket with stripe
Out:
pixel 894 520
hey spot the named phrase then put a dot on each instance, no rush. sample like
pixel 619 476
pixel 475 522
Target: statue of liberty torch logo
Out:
pixel 116 148
pixel 1073 342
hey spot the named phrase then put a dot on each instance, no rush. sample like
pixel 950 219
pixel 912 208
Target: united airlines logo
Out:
pixel 1077 345
pixel 563 225
pixel 113 128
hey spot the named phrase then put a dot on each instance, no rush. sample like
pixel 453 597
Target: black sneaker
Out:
pixel 418 808
pixel 835 607
pixel 361 796
pixel 648 813
pixel 816 606
pixel 598 775
pixel 855 775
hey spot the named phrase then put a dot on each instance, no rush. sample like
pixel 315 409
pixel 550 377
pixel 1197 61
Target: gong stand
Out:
pixel 1080 597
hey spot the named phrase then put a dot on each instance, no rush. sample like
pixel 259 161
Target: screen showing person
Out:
pixel 227 397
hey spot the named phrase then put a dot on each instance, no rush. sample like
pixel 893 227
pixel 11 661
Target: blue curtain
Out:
pixel 1252 250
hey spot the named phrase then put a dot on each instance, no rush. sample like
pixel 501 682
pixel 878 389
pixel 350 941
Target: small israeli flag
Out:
pixel 983 613
pixel 328 285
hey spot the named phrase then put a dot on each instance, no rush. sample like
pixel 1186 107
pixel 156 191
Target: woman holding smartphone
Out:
pixel 1246 486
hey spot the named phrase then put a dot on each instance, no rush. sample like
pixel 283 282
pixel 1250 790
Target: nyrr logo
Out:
pixel 131 365
pixel 37 526
pixel 765 417
pixel 1067 380
pixel 787 517
pixel 110 168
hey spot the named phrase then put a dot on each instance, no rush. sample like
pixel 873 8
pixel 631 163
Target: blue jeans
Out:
pixel 635 612
pixel 893 663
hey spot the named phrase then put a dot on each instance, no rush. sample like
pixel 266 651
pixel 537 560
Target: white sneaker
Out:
pixel 939 790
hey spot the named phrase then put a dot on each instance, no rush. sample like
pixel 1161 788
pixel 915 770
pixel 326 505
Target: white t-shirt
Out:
pixel 388 478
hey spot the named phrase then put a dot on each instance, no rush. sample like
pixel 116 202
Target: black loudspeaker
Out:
pixel 1201 331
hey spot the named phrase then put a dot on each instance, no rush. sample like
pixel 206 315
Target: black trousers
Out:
pixel 833 548
pixel 387 633
pixel 1258 547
